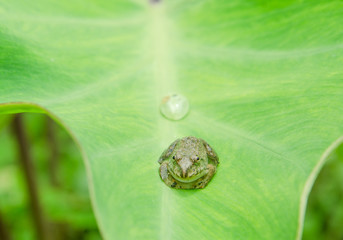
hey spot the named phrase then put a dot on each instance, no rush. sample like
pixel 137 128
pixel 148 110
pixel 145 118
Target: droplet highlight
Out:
pixel 174 107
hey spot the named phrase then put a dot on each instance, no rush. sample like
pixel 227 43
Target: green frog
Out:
pixel 188 163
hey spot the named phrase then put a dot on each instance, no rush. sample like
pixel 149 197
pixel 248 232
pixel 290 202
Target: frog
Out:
pixel 188 163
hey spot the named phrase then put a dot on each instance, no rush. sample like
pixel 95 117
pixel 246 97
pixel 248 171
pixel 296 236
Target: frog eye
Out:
pixel 197 158
pixel 173 157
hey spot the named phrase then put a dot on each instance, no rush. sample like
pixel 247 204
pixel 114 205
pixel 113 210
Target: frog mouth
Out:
pixel 188 179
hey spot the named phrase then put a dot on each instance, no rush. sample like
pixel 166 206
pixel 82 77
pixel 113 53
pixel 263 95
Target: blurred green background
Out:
pixel 61 180
pixel 324 213
pixel 63 193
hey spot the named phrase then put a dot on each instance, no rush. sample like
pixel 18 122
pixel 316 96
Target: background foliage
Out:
pixel 324 214
pixel 66 204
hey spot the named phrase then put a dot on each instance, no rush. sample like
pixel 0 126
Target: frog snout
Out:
pixel 185 164
pixel 184 173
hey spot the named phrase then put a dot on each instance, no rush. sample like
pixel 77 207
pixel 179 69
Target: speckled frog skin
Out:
pixel 188 163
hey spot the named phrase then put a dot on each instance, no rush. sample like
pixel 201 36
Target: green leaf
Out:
pixel 264 81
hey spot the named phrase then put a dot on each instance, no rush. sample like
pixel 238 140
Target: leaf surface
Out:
pixel 264 81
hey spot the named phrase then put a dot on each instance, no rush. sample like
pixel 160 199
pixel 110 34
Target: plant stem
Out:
pixel 54 152
pixel 29 174
pixel 4 233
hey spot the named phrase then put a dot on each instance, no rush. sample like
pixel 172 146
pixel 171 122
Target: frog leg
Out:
pixel 204 181
pixel 166 176
pixel 211 154
pixel 166 154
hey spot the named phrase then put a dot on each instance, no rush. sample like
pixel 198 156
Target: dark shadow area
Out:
pixel 155 1
pixel 43 185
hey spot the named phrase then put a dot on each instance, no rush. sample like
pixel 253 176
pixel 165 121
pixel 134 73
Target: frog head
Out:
pixel 189 160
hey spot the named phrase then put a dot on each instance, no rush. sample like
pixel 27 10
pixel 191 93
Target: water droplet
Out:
pixel 174 107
